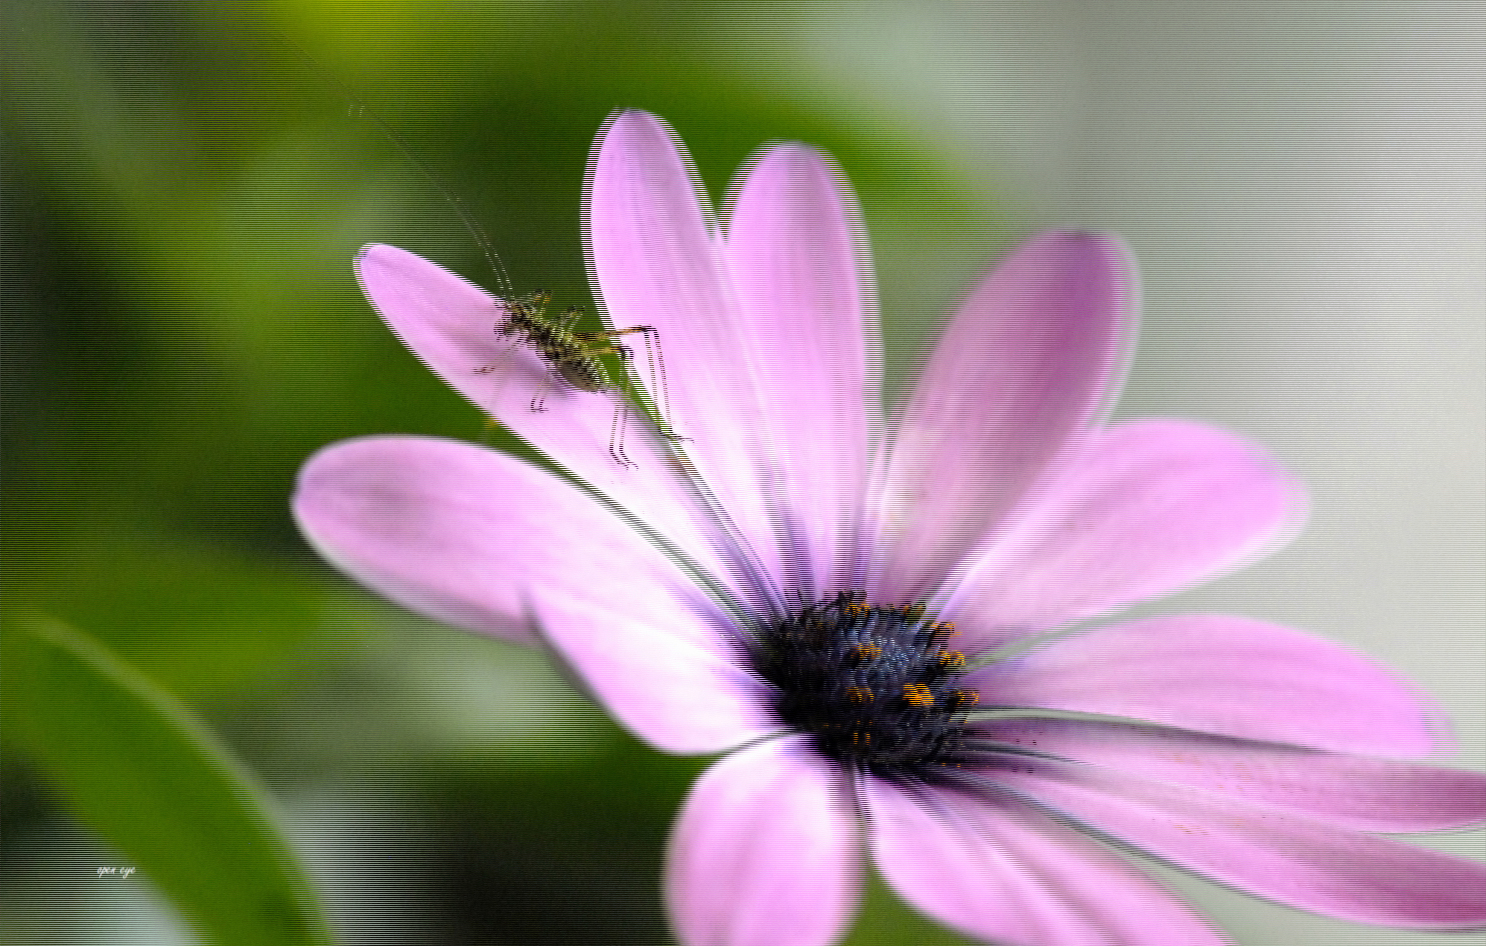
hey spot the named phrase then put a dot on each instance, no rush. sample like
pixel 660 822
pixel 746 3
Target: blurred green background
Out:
pixel 184 190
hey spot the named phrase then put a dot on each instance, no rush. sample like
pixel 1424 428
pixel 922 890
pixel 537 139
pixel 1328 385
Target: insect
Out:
pixel 572 359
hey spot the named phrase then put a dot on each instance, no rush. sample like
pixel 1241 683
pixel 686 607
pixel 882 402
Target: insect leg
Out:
pixel 539 400
pixel 623 388
pixel 616 432
pixel 621 397
pixel 518 340
pixel 657 360
pixel 658 357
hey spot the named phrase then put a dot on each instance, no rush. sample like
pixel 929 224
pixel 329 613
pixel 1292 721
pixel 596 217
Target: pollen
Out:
pixel 941 632
pixel 950 660
pixel 918 694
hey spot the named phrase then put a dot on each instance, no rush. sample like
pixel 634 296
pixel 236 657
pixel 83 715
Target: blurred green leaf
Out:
pixel 205 621
pixel 134 764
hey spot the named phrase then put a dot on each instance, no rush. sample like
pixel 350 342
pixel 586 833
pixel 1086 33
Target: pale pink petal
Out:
pixel 1145 509
pixel 1002 872
pixel 450 325
pixel 1346 791
pixel 480 539
pixel 1225 675
pixel 660 672
pixel 808 307
pixel 1034 356
pixel 765 852
pixel 659 261
pixel 1298 862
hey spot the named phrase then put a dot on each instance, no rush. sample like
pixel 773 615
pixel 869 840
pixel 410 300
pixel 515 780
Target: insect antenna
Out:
pixel 361 111
pixel 553 341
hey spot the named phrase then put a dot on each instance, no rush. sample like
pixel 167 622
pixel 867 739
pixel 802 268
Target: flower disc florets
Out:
pixel 874 685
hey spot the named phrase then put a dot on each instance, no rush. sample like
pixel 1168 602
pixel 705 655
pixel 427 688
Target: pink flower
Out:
pixel 865 620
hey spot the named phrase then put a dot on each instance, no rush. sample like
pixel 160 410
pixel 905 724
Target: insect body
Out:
pixel 573 359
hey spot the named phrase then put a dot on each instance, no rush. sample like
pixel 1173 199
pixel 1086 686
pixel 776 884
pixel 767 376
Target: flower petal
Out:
pixel 764 852
pixel 477 539
pixel 1032 357
pixel 450 325
pixel 1144 510
pixel 1225 675
pixel 658 262
pixel 1346 791
pixel 1292 860
pixel 808 304
pixel 660 671
pixel 1003 872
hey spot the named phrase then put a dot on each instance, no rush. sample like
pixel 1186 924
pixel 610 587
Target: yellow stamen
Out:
pixel 950 660
pixel 942 632
pixel 918 694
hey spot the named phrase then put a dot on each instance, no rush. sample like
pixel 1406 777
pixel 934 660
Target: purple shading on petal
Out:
pixel 1346 791
pixel 461 533
pixel 478 539
pixel 1145 509
pixel 1295 861
pixel 764 852
pixel 657 261
pixel 1005 873
pixel 1226 675
pixel 660 670
pixel 808 306
pixel 1032 357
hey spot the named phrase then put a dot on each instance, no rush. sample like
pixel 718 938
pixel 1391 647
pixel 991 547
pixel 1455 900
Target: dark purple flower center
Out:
pixel 874 685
